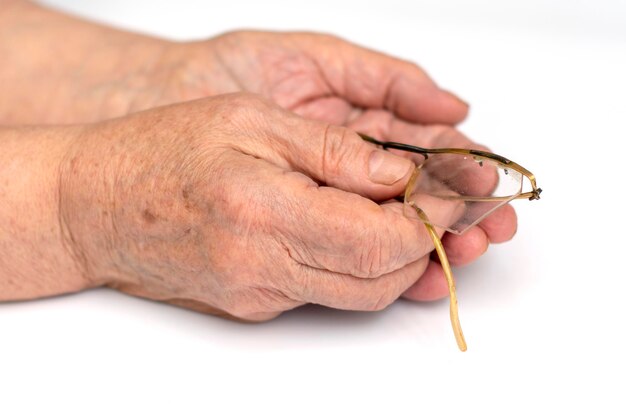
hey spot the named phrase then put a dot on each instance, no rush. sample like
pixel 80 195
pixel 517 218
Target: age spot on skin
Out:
pixel 188 205
pixel 148 217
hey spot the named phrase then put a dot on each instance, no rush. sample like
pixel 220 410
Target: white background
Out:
pixel 543 314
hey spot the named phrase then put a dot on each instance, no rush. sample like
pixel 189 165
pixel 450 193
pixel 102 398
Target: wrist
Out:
pixel 88 176
pixel 36 260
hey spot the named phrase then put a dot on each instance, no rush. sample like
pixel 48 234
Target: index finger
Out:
pixel 345 233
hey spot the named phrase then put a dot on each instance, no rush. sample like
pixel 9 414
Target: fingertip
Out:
pixel 416 100
pixel 458 108
pixel 501 225
pixel 465 248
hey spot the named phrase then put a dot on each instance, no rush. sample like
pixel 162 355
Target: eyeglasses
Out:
pixel 454 189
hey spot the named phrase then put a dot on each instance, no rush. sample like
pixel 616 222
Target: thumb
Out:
pixel 340 158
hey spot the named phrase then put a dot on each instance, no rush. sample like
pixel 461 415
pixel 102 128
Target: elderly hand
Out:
pixel 234 206
pixel 64 70
pixel 101 73
pixel 318 76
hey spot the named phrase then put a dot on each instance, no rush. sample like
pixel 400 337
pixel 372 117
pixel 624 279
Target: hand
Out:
pixel 325 78
pixel 206 205
pixel 318 76
pixel 101 73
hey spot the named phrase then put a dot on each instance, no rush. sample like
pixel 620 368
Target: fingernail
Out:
pixel 386 168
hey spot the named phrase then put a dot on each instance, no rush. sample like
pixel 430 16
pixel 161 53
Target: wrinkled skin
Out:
pixel 325 78
pixel 317 76
pixel 207 205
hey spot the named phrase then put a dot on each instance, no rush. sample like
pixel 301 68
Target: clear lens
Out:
pixel 457 191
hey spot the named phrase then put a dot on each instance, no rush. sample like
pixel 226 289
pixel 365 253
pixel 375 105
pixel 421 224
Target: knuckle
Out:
pixel 337 151
pixel 375 257
pixel 370 260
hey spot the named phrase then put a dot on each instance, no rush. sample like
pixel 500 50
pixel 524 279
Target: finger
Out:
pixel 465 248
pixel 322 227
pixel 330 154
pixel 340 158
pixel 371 79
pixel 386 126
pixel 346 233
pixel 326 227
pixel 431 286
pixel 501 225
pixel 348 292
pixel 333 110
pixel 457 171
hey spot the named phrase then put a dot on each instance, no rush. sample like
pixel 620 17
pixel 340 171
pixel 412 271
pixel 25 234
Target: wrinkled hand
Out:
pixel 325 78
pixel 105 73
pixel 102 73
pixel 206 205
pixel 318 76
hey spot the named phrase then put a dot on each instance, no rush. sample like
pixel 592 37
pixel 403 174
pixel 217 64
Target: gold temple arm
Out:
pixel 443 258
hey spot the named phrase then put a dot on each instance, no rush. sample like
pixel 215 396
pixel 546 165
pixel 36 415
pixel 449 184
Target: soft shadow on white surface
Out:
pixel 308 327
